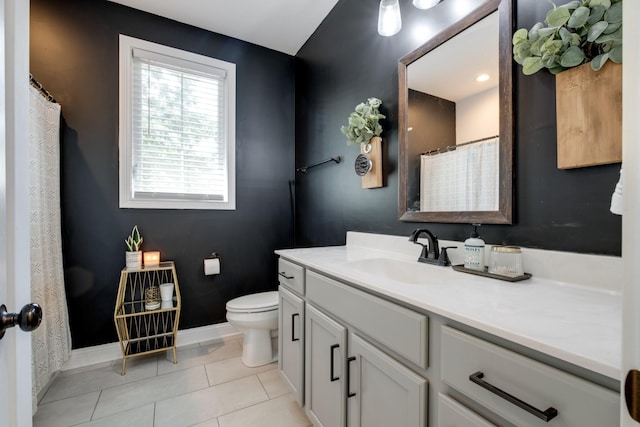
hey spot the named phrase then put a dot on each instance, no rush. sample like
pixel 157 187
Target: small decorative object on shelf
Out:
pixel 364 128
pixel 580 42
pixel 151 259
pixel 506 261
pixel 152 298
pixel 166 291
pixel 144 324
pixel 133 255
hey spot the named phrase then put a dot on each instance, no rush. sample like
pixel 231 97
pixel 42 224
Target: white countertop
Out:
pixel 580 325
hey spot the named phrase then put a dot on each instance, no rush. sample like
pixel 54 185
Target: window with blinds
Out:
pixel 177 143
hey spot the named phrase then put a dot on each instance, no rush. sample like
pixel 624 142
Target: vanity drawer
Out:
pixel 453 414
pixel 512 376
pixel 291 275
pixel 402 330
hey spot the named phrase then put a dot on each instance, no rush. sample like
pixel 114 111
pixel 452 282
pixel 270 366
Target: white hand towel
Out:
pixel 617 201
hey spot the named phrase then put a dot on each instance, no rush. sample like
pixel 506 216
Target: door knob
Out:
pixel 632 393
pixel 27 319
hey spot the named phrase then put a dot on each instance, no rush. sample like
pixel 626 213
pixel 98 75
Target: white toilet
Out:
pixel 256 315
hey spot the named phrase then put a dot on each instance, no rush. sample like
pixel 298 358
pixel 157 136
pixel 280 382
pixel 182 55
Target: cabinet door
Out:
pixel 291 342
pixel 382 392
pixel 325 382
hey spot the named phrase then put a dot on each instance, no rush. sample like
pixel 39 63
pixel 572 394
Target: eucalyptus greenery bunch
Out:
pixel 575 33
pixel 364 122
pixel 134 241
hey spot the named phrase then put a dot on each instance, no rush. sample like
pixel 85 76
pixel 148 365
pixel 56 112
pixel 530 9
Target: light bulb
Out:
pixel 389 20
pixel 425 4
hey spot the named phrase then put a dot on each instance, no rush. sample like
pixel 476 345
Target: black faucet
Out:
pixel 430 252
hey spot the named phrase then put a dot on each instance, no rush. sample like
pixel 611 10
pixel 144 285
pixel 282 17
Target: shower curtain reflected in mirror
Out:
pixel 51 342
pixel 465 179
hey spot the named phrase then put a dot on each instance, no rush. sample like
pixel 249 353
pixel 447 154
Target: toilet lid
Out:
pixel 263 301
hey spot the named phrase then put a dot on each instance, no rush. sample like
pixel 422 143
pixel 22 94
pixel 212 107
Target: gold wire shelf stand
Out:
pixel 143 323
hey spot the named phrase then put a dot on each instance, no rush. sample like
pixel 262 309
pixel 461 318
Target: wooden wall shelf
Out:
pixel 373 178
pixel 589 116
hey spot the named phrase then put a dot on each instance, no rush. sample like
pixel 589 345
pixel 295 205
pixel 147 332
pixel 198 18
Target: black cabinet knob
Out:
pixel 27 319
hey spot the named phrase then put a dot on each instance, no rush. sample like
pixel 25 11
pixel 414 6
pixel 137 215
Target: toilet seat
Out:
pixel 254 303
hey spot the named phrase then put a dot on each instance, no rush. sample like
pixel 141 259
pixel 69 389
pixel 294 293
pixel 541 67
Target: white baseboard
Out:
pixel 108 352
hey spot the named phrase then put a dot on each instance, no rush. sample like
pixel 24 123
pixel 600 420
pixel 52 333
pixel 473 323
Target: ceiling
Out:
pixel 282 25
pixel 457 80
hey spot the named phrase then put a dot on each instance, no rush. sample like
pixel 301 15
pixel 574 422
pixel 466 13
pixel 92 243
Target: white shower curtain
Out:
pixel 51 342
pixel 465 179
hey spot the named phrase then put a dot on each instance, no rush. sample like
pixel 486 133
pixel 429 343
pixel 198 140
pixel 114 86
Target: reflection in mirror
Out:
pixel 455 133
pixel 443 118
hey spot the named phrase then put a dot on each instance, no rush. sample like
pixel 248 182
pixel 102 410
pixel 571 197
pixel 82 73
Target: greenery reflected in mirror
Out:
pixel 439 113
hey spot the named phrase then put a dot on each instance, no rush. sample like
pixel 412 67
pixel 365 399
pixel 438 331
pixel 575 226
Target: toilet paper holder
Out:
pixel 212 264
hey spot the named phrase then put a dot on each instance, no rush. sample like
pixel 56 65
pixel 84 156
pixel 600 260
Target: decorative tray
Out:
pixel 485 273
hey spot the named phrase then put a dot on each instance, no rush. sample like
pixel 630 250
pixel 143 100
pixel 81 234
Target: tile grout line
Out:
pixel 95 406
pixel 106 388
pixel 263 387
pixel 246 407
pixel 154 402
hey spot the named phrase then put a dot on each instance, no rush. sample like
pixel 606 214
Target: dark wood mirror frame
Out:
pixel 505 204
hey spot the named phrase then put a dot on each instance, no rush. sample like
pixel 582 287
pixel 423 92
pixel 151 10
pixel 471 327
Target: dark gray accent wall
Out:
pixel 346 61
pixel 432 121
pixel 74 53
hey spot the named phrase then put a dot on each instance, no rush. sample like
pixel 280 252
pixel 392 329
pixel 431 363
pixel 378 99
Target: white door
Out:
pixel 15 346
pixel 630 226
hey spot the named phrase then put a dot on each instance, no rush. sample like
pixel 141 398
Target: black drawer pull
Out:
pixel 349 360
pixel 546 415
pixel 284 274
pixel 293 327
pixel 332 377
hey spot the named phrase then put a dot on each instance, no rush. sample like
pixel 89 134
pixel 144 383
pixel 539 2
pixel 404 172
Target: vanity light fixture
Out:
pixel 389 20
pixel 425 4
pixel 482 78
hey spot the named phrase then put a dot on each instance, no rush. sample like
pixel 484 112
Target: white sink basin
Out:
pixel 400 271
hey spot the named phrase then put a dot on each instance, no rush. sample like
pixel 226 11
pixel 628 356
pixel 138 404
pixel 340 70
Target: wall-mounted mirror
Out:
pixel 456 122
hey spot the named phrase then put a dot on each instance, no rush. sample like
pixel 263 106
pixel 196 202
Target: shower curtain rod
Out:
pixel 449 147
pixel 41 88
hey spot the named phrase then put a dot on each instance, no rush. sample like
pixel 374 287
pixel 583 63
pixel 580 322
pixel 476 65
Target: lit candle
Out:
pixel 151 259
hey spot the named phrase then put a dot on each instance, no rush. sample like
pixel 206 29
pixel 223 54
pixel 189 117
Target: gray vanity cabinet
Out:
pixel 291 342
pixel 381 391
pixel 377 389
pixel 326 342
pixel 367 358
pixel 522 390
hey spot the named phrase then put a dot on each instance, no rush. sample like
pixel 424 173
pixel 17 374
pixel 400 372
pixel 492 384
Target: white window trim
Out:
pixel 127 44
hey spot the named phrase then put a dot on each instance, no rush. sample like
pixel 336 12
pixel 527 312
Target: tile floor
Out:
pixel 209 387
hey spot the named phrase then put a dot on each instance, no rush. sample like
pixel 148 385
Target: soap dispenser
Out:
pixel 474 251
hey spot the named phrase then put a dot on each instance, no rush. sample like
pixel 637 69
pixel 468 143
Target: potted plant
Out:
pixel 580 42
pixel 364 122
pixel 133 255
pixel 575 33
pixel 364 128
